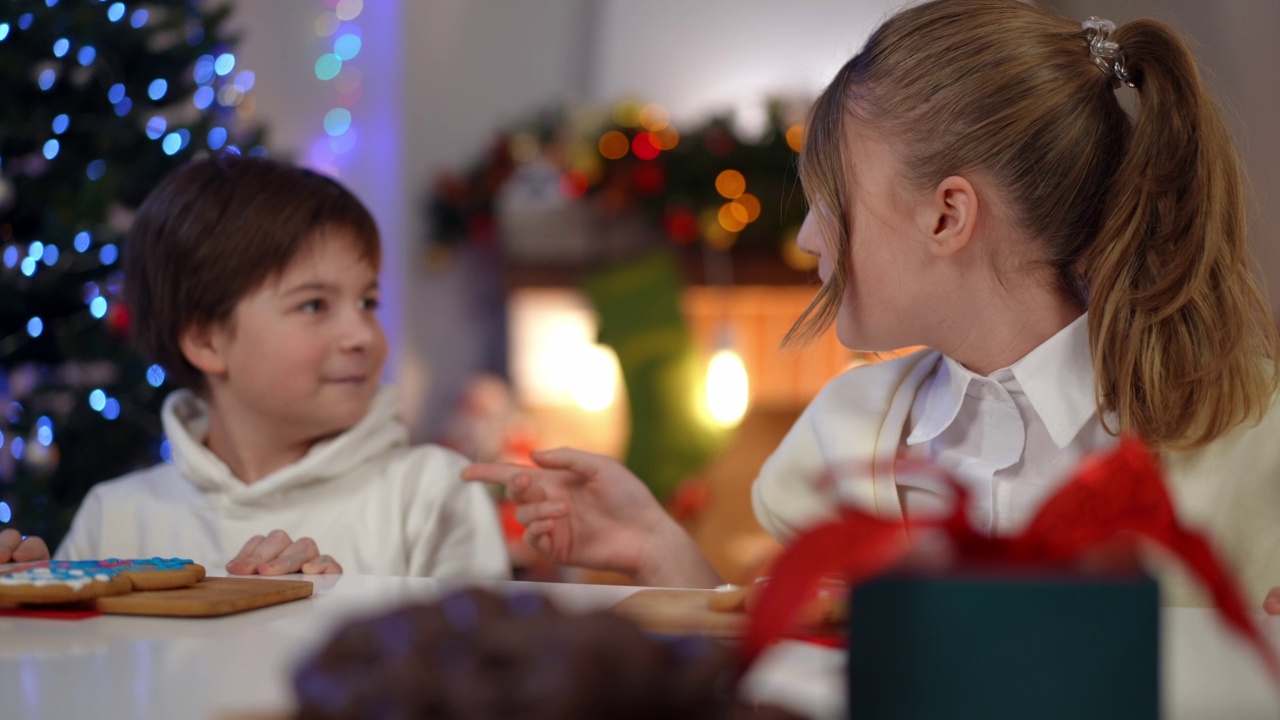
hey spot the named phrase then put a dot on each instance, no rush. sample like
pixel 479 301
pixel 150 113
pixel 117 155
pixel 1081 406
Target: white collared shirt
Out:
pixel 1011 437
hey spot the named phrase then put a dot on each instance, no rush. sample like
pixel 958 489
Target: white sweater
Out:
pixel 1230 490
pixel 377 505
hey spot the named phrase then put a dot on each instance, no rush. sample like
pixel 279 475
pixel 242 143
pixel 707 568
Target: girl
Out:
pixel 977 187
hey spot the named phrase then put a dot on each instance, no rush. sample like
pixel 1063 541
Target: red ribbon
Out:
pixel 1116 498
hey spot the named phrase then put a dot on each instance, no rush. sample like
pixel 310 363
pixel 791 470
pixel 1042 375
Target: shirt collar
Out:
pixel 1056 377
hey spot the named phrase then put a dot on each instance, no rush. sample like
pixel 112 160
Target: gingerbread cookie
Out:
pixel 62 581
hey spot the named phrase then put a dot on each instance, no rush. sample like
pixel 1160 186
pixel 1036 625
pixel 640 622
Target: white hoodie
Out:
pixel 377 505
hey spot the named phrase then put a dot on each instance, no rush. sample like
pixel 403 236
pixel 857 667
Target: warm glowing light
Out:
pixel 713 233
pixel 795 137
pixel 727 388
pixel 732 216
pixel 654 117
pixel 794 257
pixel 752 205
pixel 349 9
pixel 595 381
pixel 614 145
pixel 627 113
pixel 668 137
pixel 585 159
pixel 731 184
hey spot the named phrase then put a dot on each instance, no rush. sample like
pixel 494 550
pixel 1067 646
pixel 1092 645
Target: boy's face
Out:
pixel 302 355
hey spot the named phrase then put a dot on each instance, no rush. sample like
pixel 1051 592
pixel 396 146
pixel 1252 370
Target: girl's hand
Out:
pixel 15 548
pixel 277 554
pixel 1272 602
pixel 587 510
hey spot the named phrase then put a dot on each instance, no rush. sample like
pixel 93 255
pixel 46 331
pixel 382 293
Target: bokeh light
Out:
pixel 731 184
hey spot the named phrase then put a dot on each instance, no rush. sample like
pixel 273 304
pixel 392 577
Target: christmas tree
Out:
pixel 99 101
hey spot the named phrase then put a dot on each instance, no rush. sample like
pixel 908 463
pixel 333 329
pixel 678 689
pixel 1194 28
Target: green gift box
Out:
pixel 1000 643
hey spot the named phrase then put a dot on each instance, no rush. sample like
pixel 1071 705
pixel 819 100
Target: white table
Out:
pixel 111 667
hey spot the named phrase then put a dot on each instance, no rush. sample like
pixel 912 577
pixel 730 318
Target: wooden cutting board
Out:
pixel 680 612
pixel 210 597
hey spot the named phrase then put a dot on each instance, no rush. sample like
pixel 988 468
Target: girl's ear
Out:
pixel 949 216
pixel 203 346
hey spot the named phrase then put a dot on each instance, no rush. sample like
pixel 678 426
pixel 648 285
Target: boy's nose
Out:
pixel 359 331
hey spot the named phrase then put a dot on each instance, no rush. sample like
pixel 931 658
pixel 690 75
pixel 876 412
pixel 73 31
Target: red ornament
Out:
pixel 646 146
pixel 118 318
pixel 649 179
pixel 681 225
pixel 574 184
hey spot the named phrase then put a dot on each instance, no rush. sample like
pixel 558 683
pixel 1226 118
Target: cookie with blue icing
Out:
pixel 62 581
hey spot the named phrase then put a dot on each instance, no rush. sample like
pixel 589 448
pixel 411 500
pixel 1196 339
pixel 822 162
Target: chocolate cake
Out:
pixel 475 654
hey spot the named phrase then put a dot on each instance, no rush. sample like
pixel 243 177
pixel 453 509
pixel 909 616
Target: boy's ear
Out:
pixel 949 216
pixel 202 346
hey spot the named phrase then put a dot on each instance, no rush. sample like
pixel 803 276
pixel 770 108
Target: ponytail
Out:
pixel 1184 345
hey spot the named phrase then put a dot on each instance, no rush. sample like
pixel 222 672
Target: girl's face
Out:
pixel 885 304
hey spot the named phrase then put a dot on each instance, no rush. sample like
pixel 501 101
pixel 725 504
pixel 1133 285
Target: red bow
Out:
pixel 1119 497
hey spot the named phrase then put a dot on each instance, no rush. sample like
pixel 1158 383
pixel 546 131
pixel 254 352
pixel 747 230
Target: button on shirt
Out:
pixel 1011 438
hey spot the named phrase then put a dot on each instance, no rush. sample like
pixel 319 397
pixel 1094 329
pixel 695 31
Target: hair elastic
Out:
pixel 1105 52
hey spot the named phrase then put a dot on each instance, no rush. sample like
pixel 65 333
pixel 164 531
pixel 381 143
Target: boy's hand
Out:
pixel 277 554
pixel 13 548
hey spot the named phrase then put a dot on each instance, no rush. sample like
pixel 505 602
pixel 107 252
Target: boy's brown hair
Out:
pixel 213 231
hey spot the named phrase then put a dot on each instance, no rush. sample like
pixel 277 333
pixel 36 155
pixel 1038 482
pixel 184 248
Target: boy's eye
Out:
pixel 312 306
pixel 369 303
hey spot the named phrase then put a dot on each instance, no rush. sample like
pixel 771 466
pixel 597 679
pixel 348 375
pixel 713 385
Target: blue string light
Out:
pixel 83 239
pixel 123 107
pixel 61 46
pixel 171 144
pixel 155 376
pixel 96 170
pixel 98 307
pixel 157 89
pixel 97 400
pixel 112 409
pixel 18 448
pixel 108 254
pixel 87 55
pixel 166 451
pixel 24 21
pixel 5 513
pixel 337 121
pixel 347 46
pixel 60 124
pixel 35 326
pixel 44 431
pixel 35 250
pixel 328 66
pixel 217 138
pixel 51 148
pixel 51 255
pixel 203 71
pixel 10 256
pixel 244 80
pixel 203 97
pixel 28 266
pixel 156 127
pixel 225 63
pixel 46 79
pixel 4 31
pixel 115 12
pixel 116 93
pixel 138 19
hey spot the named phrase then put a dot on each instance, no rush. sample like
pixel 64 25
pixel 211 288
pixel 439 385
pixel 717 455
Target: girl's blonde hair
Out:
pixel 1142 218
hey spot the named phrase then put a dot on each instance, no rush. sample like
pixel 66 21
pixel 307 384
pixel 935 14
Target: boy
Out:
pixel 254 284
